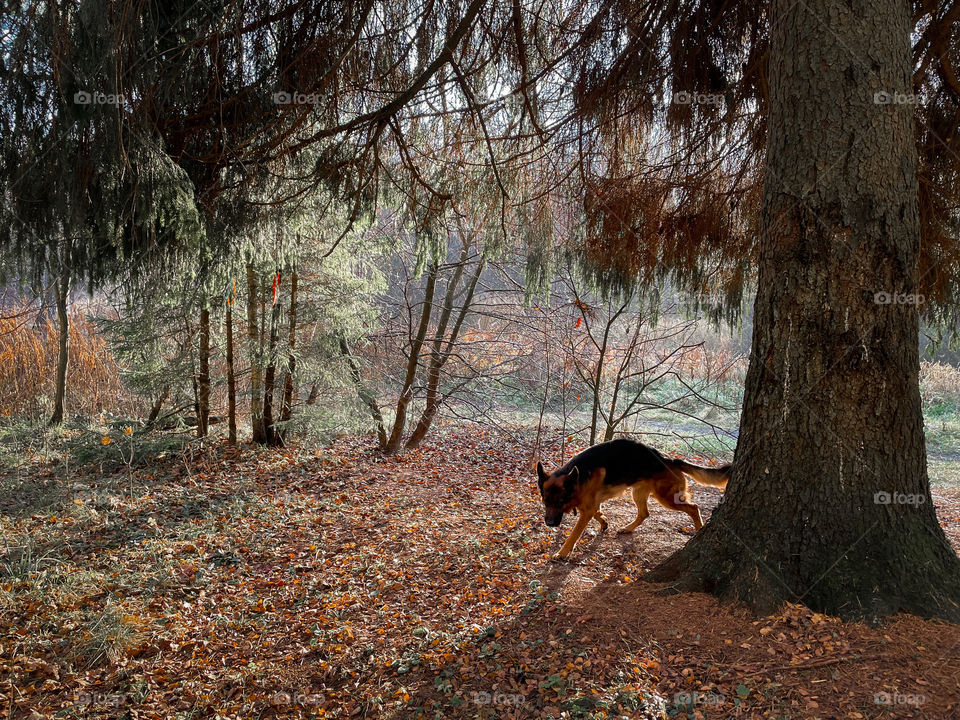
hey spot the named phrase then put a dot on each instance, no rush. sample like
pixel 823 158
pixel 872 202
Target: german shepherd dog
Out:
pixel 607 471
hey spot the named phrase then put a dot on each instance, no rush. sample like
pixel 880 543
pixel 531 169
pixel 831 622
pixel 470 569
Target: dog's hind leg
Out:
pixel 640 494
pixel 681 502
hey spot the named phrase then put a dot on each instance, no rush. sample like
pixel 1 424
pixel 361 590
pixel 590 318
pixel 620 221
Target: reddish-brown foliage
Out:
pixel 28 361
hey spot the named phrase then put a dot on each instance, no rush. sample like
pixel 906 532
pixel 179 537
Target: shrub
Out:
pixel 939 384
pixel 28 361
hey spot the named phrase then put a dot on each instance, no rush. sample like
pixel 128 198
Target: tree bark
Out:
pixel 546 354
pixel 597 380
pixel 829 503
pixel 406 392
pixel 270 376
pixel 366 395
pixel 231 379
pixel 286 405
pixel 253 348
pixel 203 380
pixel 62 293
pixel 441 353
pixel 623 375
pixel 611 422
pixel 158 405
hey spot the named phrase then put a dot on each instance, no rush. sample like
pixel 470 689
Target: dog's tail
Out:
pixel 713 476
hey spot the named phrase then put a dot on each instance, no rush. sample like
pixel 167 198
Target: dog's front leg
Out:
pixel 600 519
pixel 578 529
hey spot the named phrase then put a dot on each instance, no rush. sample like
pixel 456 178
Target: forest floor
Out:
pixel 240 583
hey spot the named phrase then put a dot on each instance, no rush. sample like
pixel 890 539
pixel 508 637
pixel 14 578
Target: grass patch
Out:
pixel 944 472
pixel 104 445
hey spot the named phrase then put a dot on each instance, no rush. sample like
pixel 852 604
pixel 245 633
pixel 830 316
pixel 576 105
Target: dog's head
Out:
pixel 557 491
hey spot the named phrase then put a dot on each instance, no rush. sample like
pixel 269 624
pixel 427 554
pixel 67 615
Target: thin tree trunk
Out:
pixel 196 394
pixel 400 419
pixel 203 381
pixel 440 356
pixel 611 416
pixel 231 380
pixel 366 395
pixel 286 405
pixel 597 377
pixel 547 338
pixel 563 408
pixel 253 348
pixel 62 293
pixel 598 374
pixel 158 405
pixel 829 503
pixel 622 376
pixel 270 376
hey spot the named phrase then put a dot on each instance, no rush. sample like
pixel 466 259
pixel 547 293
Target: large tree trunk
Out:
pixel 62 293
pixel 829 503
pixel 253 344
pixel 286 404
pixel 203 381
pixel 231 380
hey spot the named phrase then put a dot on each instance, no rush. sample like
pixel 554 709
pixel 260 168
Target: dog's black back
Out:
pixel 624 461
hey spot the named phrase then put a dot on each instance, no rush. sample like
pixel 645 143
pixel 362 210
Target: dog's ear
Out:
pixel 541 475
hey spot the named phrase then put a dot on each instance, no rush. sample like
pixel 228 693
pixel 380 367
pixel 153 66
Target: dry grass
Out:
pixel 28 361
pixel 714 362
pixel 939 383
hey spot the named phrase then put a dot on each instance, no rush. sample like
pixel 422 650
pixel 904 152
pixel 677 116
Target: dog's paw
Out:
pixel 624 531
pixel 557 557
